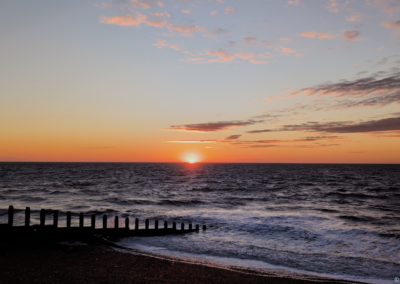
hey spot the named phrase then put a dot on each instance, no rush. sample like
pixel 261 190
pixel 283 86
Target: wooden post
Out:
pixel 165 225
pixel 55 219
pixel 10 215
pixel 81 220
pixel 156 224
pixel 42 217
pixel 127 223
pixel 147 224
pixel 174 226
pixel 104 222
pixel 190 226
pixel 27 216
pixel 93 221
pixel 69 219
pixel 204 227
pixel 136 224
pixel 183 226
pixel 116 222
pixel 197 227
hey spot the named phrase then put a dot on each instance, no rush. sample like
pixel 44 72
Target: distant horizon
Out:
pixel 83 162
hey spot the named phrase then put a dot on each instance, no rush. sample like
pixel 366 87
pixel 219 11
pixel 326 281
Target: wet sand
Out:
pixel 100 264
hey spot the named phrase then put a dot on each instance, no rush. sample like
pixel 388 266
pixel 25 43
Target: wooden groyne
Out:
pixel 54 231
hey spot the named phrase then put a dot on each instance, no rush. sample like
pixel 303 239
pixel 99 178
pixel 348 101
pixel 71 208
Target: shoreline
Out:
pixel 100 264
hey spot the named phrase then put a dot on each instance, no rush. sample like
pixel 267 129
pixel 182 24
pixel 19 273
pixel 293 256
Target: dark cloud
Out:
pixel 305 139
pixel 369 91
pixel 214 126
pixel 232 137
pixel 387 124
pixel 260 131
pixel 351 35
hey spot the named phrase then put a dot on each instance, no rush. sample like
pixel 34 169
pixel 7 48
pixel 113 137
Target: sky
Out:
pixel 232 81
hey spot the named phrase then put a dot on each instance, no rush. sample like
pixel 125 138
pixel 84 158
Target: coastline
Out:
pixel 100 264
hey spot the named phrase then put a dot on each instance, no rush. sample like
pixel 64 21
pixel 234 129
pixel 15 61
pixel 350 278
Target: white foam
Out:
pixel 228 262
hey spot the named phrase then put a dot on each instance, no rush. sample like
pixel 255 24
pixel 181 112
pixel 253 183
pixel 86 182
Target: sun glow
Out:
pixel 192 160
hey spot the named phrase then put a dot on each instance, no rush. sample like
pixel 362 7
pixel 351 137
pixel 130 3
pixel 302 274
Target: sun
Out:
pixel 192 160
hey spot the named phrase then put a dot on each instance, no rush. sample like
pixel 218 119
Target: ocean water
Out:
pixel 338 220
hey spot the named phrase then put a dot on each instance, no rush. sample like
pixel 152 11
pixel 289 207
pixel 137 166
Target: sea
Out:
pixel 334 220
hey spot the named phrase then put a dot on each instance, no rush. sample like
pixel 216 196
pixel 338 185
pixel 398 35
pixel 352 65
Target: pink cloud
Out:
pixel 285 39
pixel 245 55
pixel 161 43
pixel 294 2
pixel 157 23
pixel 313 34
pixel 185 30
pixel 229 10
pixel 214 13
pixel 333 6
pixel 392 25
pixel 286 50
pixel 125 20
pixel 251 41
pixel 186 11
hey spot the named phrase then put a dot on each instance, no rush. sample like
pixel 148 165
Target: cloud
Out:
pixel 285 39
pixel 125 20
pixel 313 34
pixel 253 61
pixel 392 25
pixel 157 23
pixel 351 35
pixel 260 131
pixel 214 13
pixel 216 32
pixel 267 43
pixel 161 43
pixel 245 55
pixel 387 124
pixel 229 10
pixel 192 141
pixel 186 11
pixel 286 50
pixel 251 41
pixel 386 6
pixel 333 6
pixel 294 2
pixel 222 54
pixel 186 30
pixel 232 137
pixel 372 91
pixel 356 17
pixel 213 126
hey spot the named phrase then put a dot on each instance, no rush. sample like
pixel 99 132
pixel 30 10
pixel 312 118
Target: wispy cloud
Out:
pixel 313 34
pixel 392 25
pixel 229 10
pixel 161 43
pixel 213 126
pixel 351 35
pixel 387 124
pixel 192 141
pixel 232 137
pixel 125 20
pixel 370 91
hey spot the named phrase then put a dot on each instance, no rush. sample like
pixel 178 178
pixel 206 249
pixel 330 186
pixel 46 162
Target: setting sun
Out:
pixel 192 160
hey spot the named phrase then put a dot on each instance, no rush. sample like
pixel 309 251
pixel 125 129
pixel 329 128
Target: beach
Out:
pixel 22 263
